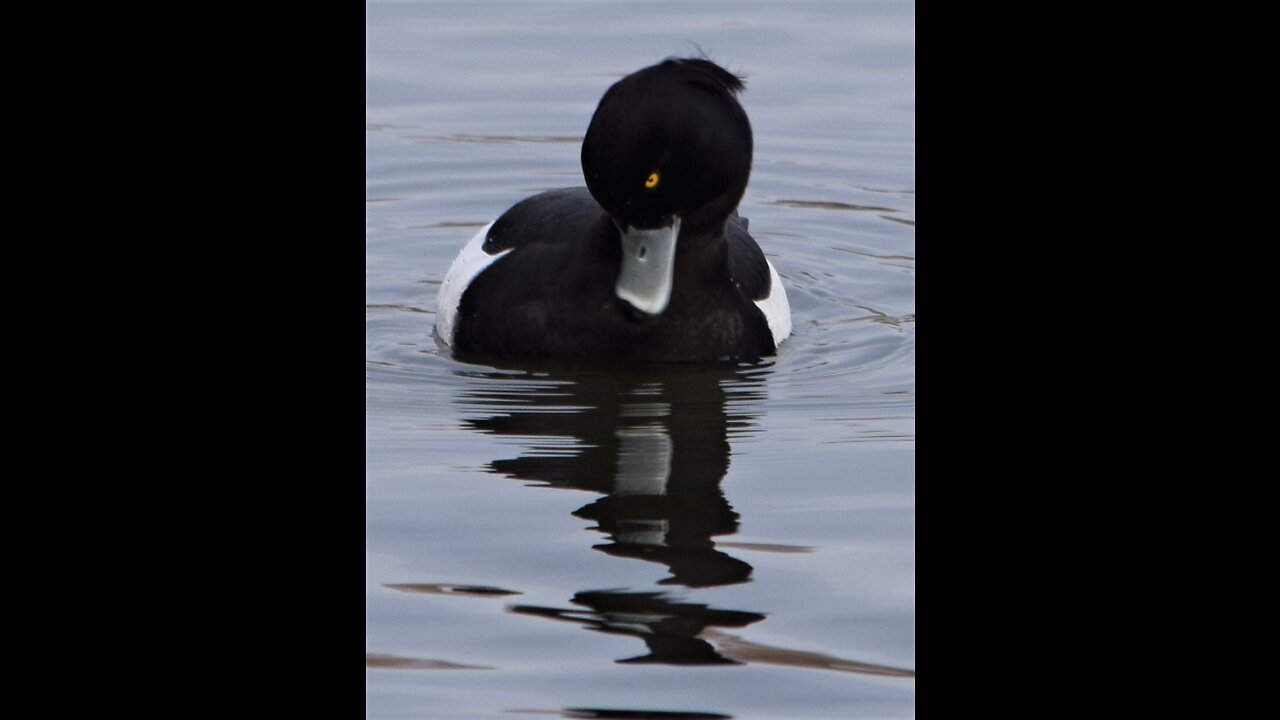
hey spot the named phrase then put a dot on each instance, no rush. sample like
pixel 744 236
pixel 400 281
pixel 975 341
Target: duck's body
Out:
pixel 650 262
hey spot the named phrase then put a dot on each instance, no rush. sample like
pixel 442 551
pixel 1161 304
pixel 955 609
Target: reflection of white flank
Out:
pixel 644 460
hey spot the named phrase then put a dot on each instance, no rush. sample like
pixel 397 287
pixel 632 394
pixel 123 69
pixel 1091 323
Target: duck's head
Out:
pixel 669 148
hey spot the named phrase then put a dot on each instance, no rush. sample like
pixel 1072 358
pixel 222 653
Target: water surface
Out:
pixel 702 542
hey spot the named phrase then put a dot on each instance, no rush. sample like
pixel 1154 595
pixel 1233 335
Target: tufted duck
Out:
pixel 650 262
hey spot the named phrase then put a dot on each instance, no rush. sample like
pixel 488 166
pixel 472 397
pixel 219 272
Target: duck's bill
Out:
pixel 648 266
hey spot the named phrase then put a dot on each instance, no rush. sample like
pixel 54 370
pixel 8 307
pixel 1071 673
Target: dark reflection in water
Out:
pixel 600 714
pixel 443 589
pixel 655 445
pixel 617 714
pixel 669 628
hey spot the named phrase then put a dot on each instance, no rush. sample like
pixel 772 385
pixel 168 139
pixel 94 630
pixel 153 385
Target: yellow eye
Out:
pixel 651 182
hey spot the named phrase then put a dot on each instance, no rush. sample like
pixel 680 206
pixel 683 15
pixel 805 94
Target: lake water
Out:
pixel 684 542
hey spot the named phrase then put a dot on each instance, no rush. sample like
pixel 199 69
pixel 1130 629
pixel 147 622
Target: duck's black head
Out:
pixel 668 146
pixel 670 139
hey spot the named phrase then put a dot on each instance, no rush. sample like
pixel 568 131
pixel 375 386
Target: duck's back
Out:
pixel 542 260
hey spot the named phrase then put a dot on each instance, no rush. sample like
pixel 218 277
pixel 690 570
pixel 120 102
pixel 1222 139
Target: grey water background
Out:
pixel 705 542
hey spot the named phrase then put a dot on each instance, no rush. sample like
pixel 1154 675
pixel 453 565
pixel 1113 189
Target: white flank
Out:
pixel 470 261
pixel 776 309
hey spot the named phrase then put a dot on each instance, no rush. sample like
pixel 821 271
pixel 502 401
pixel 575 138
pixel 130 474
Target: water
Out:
pixel 704 542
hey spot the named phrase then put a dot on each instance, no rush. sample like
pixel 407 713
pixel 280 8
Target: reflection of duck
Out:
pixel 654 444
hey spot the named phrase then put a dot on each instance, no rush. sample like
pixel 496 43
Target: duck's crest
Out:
pixel 708 70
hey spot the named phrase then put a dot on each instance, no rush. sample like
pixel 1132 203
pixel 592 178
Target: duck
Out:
pixel 650 262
